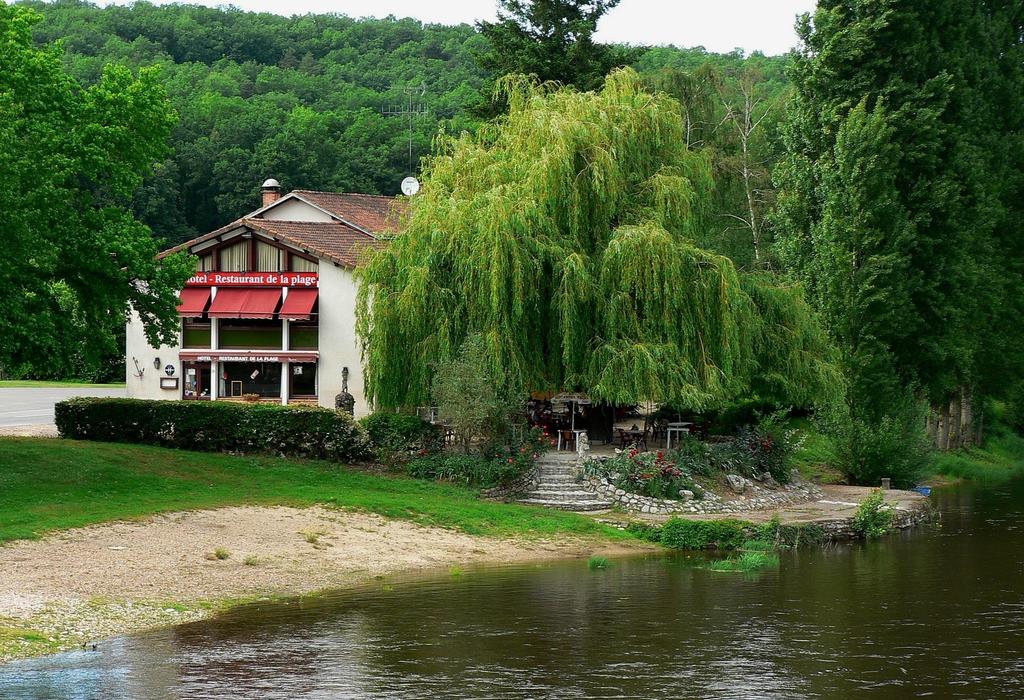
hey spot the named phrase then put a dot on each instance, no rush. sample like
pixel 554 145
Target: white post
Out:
pixel 214 379
pixel 285 376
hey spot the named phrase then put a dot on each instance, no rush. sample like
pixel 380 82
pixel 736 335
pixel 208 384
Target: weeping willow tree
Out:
pixel 562 236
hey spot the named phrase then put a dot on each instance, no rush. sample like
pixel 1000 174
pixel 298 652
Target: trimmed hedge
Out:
pixel 400 432
pixel 704 534
pixel 214 426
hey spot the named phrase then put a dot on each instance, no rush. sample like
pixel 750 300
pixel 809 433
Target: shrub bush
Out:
pixel 396 436
pixel 1013 411
pixel 644 531
pixel 469 470
pixel 894 447
pixel 650 474
pixel 777 535
pixel 214 426
pixel 873 517
pixel 703 534
pixel 760 448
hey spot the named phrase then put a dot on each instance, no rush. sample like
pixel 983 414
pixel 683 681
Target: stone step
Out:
pixel 562 458
pixel 557 468
pixel 547 477
pixel 569 484
pixel 575 506
pixel 561 495
pixel 560 488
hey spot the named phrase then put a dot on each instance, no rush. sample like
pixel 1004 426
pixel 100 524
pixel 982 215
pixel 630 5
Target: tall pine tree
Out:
pixel 893 202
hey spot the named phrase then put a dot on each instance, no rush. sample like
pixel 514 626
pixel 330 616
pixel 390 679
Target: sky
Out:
pixel 717 25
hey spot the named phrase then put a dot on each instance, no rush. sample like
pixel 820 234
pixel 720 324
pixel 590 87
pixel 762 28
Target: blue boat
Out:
pixel 923 490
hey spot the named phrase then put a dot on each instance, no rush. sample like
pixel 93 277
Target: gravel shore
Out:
pixel 80 585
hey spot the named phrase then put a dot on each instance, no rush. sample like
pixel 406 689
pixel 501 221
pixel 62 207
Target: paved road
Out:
pixel 34 406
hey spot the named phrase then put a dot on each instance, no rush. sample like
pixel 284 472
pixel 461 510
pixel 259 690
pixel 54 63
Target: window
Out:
pixel 268 258
pixel 250 333
pixel 303 265
pixel 263 378
pixel 204 263
pixel 195 334
pixel 303 379
pixel 303 335
pixel 235 258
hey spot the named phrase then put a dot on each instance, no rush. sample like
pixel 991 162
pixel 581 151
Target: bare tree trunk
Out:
pixel 745 132
pixel 979 439
pixel 746 124
pixel 943 427
pixel 954 420
pixel 931 425
pixel 966 416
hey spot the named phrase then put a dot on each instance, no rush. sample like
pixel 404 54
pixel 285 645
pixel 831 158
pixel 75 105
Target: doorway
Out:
pixel 197 381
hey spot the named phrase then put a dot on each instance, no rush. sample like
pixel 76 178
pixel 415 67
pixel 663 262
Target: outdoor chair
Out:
pixel 633 437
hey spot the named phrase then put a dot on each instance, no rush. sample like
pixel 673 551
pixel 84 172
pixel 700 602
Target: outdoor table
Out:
pixel 630 437
pixel 677 429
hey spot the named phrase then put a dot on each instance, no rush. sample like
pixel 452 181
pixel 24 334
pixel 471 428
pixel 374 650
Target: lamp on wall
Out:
pixel 156 363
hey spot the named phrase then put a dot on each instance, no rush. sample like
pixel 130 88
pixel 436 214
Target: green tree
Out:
pixel 732 109
pixel 468 395
pixel 70 159
pixel 552 40
pixel 893 207
pixel 563 237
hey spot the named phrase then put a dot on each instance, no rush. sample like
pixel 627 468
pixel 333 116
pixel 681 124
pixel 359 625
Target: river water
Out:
pixel 933 612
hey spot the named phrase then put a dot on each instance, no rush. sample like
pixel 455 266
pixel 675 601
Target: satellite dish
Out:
pixel 410 186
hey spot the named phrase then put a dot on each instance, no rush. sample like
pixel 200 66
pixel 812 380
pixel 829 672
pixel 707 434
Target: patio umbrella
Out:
pixel 575 398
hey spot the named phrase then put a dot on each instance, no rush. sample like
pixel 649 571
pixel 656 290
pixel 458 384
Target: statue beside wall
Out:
pixel 344 401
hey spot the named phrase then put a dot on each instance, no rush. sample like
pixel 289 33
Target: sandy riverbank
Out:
pixel 88 583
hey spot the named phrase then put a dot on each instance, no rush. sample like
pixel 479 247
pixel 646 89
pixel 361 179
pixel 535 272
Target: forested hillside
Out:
pixel 302 99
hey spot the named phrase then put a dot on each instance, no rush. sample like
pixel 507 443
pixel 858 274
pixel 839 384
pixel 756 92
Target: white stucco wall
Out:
pixel 295 210
pixel 137 347
pixel 339 345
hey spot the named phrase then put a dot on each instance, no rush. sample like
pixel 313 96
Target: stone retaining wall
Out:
pixel 524 483
pixel 842 528
pixel 755 497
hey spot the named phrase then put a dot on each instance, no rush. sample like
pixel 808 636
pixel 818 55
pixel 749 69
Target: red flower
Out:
pixel 510 460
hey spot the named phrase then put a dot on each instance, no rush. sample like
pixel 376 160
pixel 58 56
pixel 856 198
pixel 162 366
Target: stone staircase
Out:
pixel 557 487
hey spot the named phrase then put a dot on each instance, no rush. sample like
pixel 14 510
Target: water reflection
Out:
pixel 936 612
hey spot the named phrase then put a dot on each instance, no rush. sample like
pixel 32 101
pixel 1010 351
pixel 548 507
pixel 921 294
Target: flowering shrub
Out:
pixel 497 462
pixel 519 452
pixel 646 473
pixel 765 447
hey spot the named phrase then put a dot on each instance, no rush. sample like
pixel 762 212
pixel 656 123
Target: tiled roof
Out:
pixel 375 213
pixel 333 240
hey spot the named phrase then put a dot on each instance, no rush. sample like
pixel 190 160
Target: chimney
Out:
pixel 271 191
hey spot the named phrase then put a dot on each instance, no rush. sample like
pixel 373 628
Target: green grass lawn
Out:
pixel 1001 458
pixel 48 484
pixel 29 384
pixel 816 454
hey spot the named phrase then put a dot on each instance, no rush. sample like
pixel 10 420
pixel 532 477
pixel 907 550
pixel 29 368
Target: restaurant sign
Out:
pixel 253 279
pixel 248 356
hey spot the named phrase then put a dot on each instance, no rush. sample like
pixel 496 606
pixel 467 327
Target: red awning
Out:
pixel 298 305
pixel 245 303
pixel 193 301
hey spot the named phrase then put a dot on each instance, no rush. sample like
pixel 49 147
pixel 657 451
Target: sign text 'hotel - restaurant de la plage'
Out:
pixel 253 279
